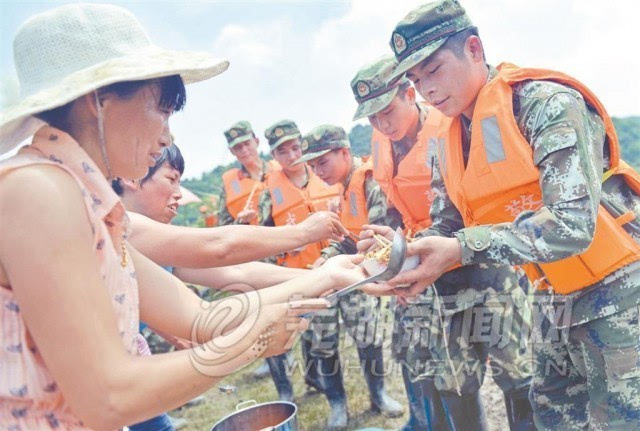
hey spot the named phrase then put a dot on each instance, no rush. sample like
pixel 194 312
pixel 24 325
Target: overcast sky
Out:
pixel 295 59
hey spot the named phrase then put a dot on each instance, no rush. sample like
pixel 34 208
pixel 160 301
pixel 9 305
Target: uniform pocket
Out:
pixel 622 363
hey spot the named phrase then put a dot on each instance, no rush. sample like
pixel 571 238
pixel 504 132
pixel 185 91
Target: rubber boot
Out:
pixel 519 411
pixel 278 367
pixel 417 414
pixel 373 368
pixel 311 378
pixel 465 412
pixel 435 412
pixel 330 371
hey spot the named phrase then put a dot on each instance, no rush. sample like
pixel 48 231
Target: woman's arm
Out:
pixel 188 247
pixel 167 305
pixel 255 274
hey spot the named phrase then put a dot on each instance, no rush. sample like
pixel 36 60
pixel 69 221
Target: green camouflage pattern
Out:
pixel 597 365
pixel 282 131
pixel 483 339
pixel 239 132
pixel 322 139
pixel 567 139
pixel 424 30
pixel 373 88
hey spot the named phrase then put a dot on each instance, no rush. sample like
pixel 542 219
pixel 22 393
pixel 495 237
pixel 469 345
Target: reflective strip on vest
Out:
pixel 376 153
pixel 443 156
pixel 432 150
pixel 277 195
pixel 235 185
pixel 353 204
pixel 492 139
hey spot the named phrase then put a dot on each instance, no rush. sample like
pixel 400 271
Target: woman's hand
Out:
pixel 343 270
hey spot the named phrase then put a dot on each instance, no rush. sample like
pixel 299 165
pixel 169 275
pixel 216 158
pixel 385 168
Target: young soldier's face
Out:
pixel 448 82
pixel 396 119
pixel 247 151
pixel 287 153
pixel 333 167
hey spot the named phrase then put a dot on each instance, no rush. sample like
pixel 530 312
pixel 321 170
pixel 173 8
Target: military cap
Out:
pixel 424 30
pixel 372 87
pixel 239 132
pixel 280 132
pixel 322 139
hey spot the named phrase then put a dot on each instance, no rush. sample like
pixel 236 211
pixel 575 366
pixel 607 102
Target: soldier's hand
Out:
pixel 367 242
pixel 247 215
pixel 322 226
pixel 437 256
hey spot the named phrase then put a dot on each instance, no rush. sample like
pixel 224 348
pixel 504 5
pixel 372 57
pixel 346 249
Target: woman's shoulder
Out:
pixel 40 188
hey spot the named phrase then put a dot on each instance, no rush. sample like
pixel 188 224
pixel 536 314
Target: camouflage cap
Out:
pixel 322 139
pixel 372 87
pixel 239 132
pixel 424 30
pixel 280 132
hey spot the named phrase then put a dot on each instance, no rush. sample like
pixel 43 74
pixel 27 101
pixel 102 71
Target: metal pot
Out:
pixel 273 416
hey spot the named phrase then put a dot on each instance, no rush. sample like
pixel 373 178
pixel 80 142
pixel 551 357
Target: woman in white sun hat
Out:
pixel 96 95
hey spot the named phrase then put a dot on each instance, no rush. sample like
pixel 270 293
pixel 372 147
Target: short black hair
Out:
pixel 170 154
pixel 456 42
pixel 173 95
pixel 402 89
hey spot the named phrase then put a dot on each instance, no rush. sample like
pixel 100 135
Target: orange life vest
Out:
pixel 501 180
pixel 291 205
pixel 353 202
pixel 238 187
pixel 410 190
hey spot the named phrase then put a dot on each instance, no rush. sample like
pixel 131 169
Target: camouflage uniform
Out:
pixel 587 361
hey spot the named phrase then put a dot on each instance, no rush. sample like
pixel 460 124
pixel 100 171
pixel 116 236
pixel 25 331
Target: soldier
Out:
pixel 327 151
pixel 403 144
pixel 400 168
pixel 291 195
pixel 242 186
pixel 529 173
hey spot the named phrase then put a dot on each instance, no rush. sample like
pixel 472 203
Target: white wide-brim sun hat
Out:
pixel 67 52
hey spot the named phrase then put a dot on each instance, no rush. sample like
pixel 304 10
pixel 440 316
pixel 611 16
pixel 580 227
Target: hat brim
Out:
pixel 284 139
pixel 17 122
pixel 416 58
pixel 311 156
pixel 240 139
pixel 375 105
